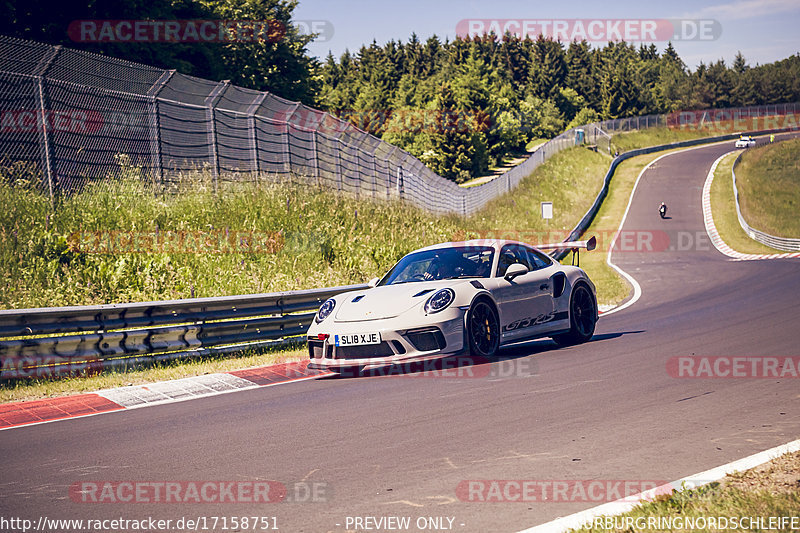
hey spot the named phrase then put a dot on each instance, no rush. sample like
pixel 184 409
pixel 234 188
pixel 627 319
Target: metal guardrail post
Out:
pixel 211 116
pixel 155 125
pixel 44 134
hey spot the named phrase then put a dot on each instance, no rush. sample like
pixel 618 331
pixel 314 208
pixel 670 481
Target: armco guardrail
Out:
pixel 779 243
pixel 64 340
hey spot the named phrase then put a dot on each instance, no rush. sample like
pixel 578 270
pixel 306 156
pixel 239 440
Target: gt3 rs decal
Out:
pixel 535 321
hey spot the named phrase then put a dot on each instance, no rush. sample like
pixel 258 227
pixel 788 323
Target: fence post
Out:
pixel 400 182
pixel 389 172
pixel 339 169
pixel 288 144
pixel 374 176
pixel 155 125
pixel 211 116
pixel 251 126
pixel 316 157
pixel 43 133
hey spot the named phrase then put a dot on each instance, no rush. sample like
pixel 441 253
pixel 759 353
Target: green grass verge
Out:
pixel 656 136
pixel 768 179
pixel 324 239
pixel 723 210
pixel 769 490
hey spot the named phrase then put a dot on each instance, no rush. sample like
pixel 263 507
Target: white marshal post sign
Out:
pixel 547 210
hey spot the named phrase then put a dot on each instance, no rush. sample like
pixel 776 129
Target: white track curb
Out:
pixel 713 234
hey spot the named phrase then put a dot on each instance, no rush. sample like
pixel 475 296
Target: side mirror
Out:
pixel 517 269
pixel 373 282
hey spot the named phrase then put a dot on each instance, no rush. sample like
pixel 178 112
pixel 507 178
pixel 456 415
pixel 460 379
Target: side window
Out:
pixel 538 259
pixel 510 254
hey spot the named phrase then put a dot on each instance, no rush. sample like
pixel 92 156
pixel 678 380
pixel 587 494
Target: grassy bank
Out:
pixel 724 211
pixel 54 258
pixel 768 179
pixel 769 490
pixel 655 136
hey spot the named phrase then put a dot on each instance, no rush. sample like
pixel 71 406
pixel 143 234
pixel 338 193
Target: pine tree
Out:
pixel 580 72
pixel 739 63
pixel 453 143
pixel 548 68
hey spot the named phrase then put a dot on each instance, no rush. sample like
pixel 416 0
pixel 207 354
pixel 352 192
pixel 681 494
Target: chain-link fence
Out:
pixel 72 117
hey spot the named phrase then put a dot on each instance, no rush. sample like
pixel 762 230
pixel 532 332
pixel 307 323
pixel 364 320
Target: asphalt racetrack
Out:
pixel 407 445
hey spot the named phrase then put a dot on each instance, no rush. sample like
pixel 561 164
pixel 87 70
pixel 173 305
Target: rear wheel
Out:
pixel 582 317
pixel 483 329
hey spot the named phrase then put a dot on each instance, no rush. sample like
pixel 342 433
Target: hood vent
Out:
pixel 421 293
pixel 357 298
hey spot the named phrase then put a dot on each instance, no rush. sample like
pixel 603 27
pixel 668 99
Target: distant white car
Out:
pixel 745 142
pixel 472 297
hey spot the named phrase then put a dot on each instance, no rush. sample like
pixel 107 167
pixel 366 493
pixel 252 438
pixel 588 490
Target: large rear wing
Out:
pixel 589 245
pixel 575 246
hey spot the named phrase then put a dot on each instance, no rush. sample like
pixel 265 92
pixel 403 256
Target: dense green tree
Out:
pixel 548 70
pixel 457 150
pixel 279 63
pixel 580 72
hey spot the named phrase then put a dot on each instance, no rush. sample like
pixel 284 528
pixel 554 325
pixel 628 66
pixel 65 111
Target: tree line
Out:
pixel 484 98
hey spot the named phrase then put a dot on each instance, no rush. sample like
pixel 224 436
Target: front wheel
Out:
pixel 483 329
pixel 582 318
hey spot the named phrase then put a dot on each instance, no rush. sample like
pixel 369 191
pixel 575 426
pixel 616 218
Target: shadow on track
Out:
pixel 513 359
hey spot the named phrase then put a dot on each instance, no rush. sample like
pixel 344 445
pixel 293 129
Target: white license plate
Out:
pixel 357 339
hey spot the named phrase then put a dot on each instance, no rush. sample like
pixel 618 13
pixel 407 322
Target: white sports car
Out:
pixel 472 296
pixel 744 142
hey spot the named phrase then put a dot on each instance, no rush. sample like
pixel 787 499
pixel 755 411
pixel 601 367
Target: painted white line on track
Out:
pixel 586 518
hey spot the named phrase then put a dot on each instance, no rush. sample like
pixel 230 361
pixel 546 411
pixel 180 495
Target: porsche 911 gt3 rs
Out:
pixel 472 296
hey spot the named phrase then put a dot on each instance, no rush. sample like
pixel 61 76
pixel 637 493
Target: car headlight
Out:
pixel 439 301
pixel 325 310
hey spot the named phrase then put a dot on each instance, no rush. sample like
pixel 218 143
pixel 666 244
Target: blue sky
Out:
pixel 764 30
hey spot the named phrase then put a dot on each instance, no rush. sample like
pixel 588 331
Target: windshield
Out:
pixel 442 263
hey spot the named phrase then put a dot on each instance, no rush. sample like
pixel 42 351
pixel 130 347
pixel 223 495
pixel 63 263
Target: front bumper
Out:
pixel 398 344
